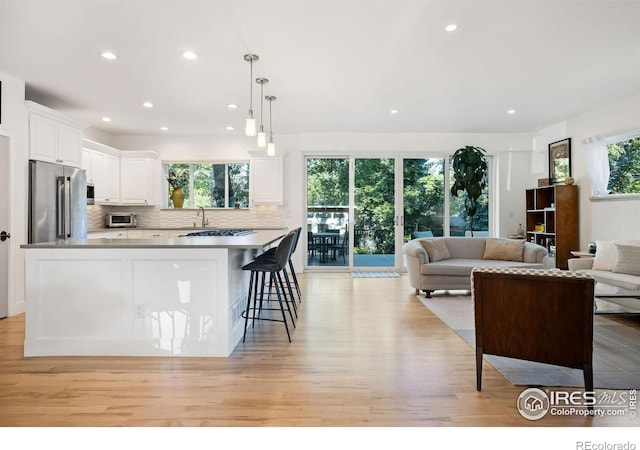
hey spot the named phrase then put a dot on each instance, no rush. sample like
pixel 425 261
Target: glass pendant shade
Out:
pixel 262 139
pixel 250 127
pixel 271 147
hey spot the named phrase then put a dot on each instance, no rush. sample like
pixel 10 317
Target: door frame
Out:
pixel 10 204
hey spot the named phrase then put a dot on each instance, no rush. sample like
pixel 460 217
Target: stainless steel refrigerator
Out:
pixel 57 202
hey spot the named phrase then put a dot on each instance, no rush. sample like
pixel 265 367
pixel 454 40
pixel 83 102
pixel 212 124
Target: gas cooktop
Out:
pixel 221 233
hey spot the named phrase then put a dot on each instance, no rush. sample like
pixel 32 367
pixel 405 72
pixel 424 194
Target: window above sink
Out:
pixel 210 184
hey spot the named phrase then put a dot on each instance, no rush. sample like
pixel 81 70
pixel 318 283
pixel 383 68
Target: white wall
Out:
pixel 15 125
pixel 610 218
pixel 512 181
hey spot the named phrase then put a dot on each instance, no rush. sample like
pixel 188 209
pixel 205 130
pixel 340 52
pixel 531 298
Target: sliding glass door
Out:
pixel 375 215
pixel 328 212
pixel 361 211
pixel 423 197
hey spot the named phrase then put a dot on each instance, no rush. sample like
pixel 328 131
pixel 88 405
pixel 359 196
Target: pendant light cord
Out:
pixel 270 120
pixel 261 103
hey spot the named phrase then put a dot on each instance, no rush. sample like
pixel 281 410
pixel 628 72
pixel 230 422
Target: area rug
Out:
pixel 375 274
pixel 616 349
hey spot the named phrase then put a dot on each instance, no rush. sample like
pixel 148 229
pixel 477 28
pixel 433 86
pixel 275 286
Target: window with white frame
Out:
pixel 624 166
pixel 208 184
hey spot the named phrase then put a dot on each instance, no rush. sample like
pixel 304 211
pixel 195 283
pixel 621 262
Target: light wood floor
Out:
pixel 366 352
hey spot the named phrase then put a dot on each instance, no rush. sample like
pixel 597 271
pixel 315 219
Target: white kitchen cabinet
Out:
pixel 86 164
pixel 135 234
pixel 138 178
pixel 111 234
pixel 105 170
pixel 53 137
pixel 157 234
pixel 267 180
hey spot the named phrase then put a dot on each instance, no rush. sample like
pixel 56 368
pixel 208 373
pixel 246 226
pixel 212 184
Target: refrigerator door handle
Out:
pixel 60 207
pixel 68 209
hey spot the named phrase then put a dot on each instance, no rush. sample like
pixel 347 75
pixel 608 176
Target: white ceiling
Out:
pixel 334 66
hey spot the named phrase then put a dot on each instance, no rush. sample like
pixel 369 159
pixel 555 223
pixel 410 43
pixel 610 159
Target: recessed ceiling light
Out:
pixel 108 55
pixel 164 128
pixel 230 128
pixel 394 111
pixel 188 54
pixel 232 105
pixel 106 119
pixel 147 104
pixel 452 27
pixel 511 111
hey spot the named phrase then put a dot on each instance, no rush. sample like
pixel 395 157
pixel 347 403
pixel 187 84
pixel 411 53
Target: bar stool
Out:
pixel 259 267
pixel 269 254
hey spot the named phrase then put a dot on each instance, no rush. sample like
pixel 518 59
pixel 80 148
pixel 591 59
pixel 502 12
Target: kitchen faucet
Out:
pixel 205 222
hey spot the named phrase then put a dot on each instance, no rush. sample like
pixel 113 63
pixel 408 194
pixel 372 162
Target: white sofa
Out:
pixel 609 266
pixel 454 272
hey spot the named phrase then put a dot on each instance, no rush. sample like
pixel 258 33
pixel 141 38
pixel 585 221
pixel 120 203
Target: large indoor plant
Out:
pixel 469 167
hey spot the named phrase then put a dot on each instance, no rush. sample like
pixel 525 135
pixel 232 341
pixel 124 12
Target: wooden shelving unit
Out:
pixel 552 219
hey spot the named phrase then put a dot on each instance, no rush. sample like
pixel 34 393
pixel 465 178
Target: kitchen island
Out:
pixel 139 297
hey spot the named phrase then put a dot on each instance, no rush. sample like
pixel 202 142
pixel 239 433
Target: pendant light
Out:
pixel 271 148
pixel 262 137
pixel 250 128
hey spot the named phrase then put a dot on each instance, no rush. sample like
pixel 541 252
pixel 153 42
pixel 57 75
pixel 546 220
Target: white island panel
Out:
pixel 180 304
pixel 154 301
pixel 76 304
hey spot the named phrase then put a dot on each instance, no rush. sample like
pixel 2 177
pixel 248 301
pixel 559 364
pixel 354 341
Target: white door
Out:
pixel 4 226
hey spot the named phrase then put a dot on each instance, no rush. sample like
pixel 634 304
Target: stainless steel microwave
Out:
pixel 91 194
pixel 121 220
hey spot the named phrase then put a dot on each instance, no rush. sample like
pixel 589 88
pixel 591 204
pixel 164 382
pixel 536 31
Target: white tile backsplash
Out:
pixel 148 217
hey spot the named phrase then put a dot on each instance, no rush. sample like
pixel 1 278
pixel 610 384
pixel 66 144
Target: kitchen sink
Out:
pixel 220 233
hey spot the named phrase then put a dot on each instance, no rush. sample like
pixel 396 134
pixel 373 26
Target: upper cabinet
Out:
pixel 139 178
pixel 54 137
pixel 267 179
pixel 105 172
pixel 86 164
pixel 121 177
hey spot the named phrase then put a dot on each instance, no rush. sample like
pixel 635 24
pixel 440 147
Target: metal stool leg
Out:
pixel 246 313
pixel 284 318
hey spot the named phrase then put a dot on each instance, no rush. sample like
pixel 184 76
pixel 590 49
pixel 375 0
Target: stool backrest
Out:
pixel 295 243
pixel 285 248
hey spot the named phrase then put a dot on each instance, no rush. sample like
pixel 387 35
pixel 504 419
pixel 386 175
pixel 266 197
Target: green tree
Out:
pixel 423 196
pixel 239 184
pixel 624 167
pixel 374 197
pixel 327 182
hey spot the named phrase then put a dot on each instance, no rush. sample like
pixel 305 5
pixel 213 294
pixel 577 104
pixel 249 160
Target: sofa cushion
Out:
pixel 504 250
pixel 605 257
pixel 465 247
pixel 463 267
pixel 627 259
pixel 436 249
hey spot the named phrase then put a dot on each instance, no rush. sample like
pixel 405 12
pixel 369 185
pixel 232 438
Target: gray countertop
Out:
pixel 257 240
pixel 103 230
